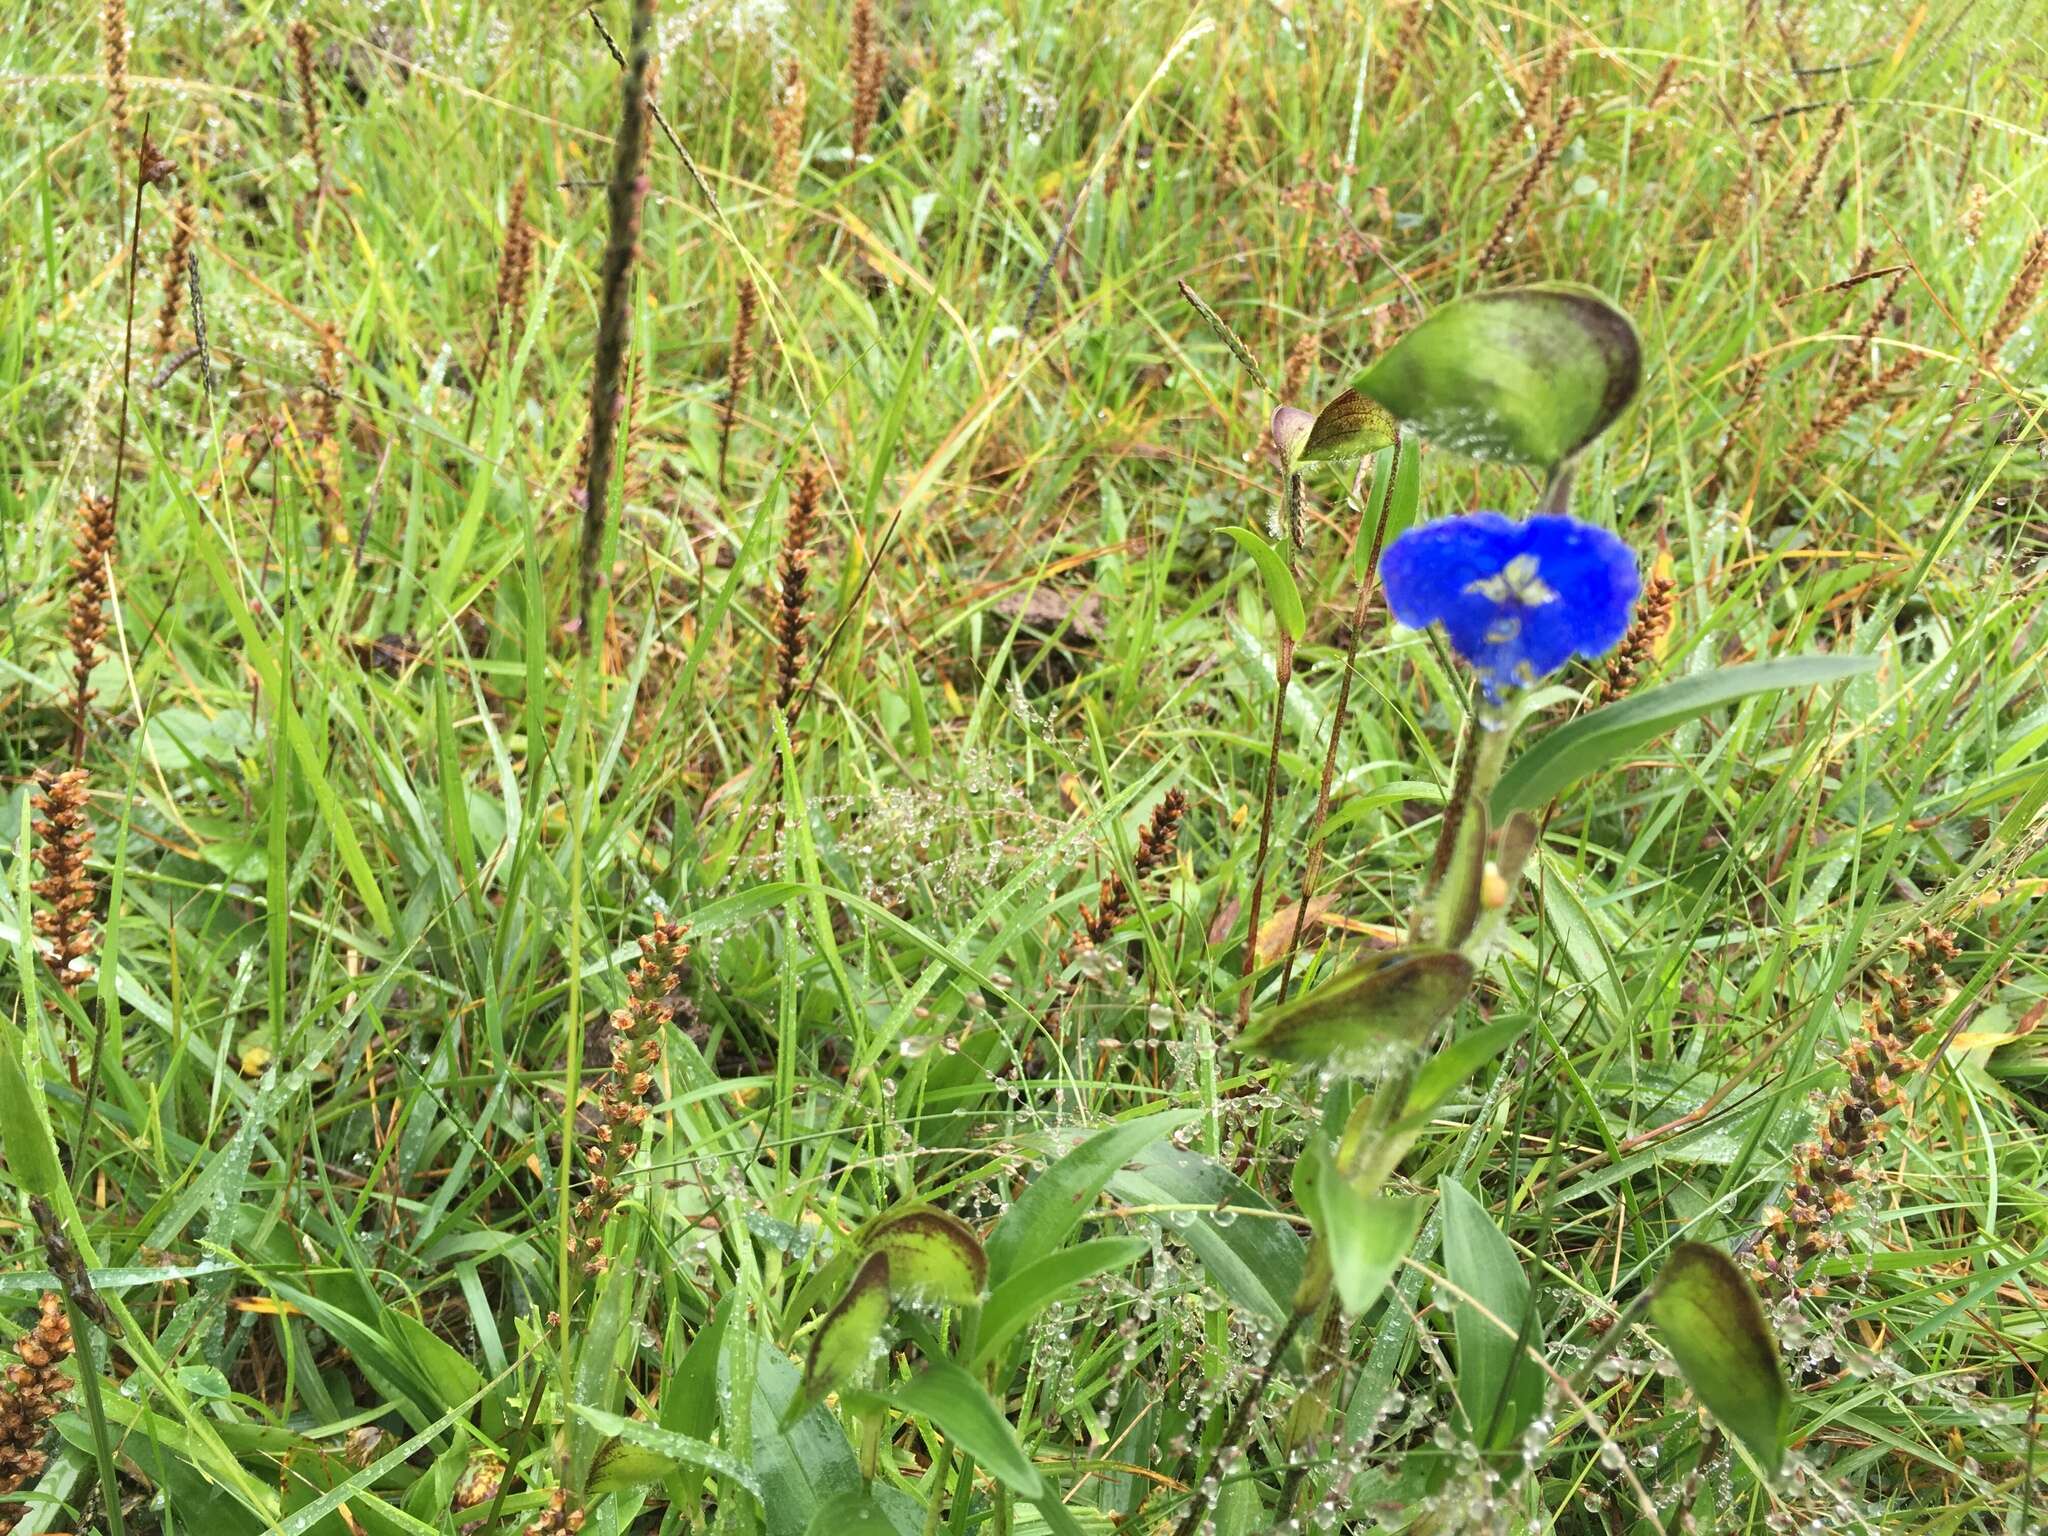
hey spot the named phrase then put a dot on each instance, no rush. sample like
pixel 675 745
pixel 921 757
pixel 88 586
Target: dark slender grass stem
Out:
pixel 127 368
pixel 1240 1418
pixel 1283 676
pixel 1314 869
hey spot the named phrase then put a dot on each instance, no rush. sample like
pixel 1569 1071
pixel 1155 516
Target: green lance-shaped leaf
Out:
pixel 1369 1016
pixel 1529 375
pixel 1364 1236
pixel 1601 738
pixel 1052 1205
pixel 934 1259
pixel 1349 427
pixel 1499 1389
pixel 849 1338
pixel 1038 1285
pixel 31 1152
pixel 1714 1326
pixel 1281 591
pixel 965 1414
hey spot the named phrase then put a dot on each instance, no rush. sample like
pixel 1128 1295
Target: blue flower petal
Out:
pixel 1516 600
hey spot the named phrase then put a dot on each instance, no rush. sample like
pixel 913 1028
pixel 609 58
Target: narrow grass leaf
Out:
pixel 1601 738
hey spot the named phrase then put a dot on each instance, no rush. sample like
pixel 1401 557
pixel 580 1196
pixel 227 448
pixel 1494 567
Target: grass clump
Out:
pixel 846 396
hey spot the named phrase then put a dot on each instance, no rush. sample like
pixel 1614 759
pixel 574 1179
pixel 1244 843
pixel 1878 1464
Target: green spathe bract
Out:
pixel 848 1339
pixel 1369 1016
pixel 1349 427
pixel 1527 375
pixel 934 1259
pixel 1714 1326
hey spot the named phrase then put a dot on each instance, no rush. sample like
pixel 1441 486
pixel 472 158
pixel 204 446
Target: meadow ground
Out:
pixel 925 688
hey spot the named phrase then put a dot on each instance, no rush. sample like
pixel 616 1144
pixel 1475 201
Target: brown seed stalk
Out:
pixel 92 551
pixel 1114 899
pixel 1828 140
pixel 114 70
pixel 865 61
pixel 1651 623
pixel 515 276
pixel 309 103
pixel 183 217
pixel 739 368
pixel 2020 298
pixel 32 1393
pixel 627 192
pixel 1541 88
pixel 799 534
pixel 1827 1171
pixel 64 894
pixel 622 1108
pixel 1546 154
pixel 786 130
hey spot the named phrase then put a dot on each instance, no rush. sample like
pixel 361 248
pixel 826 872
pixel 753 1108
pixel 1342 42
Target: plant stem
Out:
pixel 96 1414
pixel 1283 675
pixel 1240 1418
pixel 1315 833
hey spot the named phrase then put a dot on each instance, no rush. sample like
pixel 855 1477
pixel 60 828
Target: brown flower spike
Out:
pixel 64 893
pixel 622 1096
pixel 32 1394
pixel 1827 1171
pixel 795 570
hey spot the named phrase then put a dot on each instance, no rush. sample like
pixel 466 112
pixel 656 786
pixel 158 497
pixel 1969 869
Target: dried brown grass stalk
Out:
pixel 1828 139
pixel 1535 105
pixel 786 129
pixel 739 368
pixel 1114 899
pixel 515 278
pixel 2020 298
pixel 1838 408
pixel 1828 1171
pixel 32 1393
pixel 64 893
pixel 799 535
pixel 183 218
pixel 1639 646
pixel 622 1109
pixel 1546 155
pixel 114 69
pixel 865 61
pixel 309 103
pixel 1664 87
pixel 627 192
pixel 92 553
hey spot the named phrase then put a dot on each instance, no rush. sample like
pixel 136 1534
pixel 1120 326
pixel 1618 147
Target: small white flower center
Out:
pixel 1517 582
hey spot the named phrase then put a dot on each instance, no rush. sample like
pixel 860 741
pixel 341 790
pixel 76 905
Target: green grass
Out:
pixel 362 923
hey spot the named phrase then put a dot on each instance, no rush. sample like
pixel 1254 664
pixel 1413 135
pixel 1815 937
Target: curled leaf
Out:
pixel 1349 427
pixel 935 1259
pixel 848 1340
pixel 1714 1326
pixel 1529 375
pixel 1369 1016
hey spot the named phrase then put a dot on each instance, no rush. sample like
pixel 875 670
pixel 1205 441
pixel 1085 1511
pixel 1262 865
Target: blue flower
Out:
pixel 1517 600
